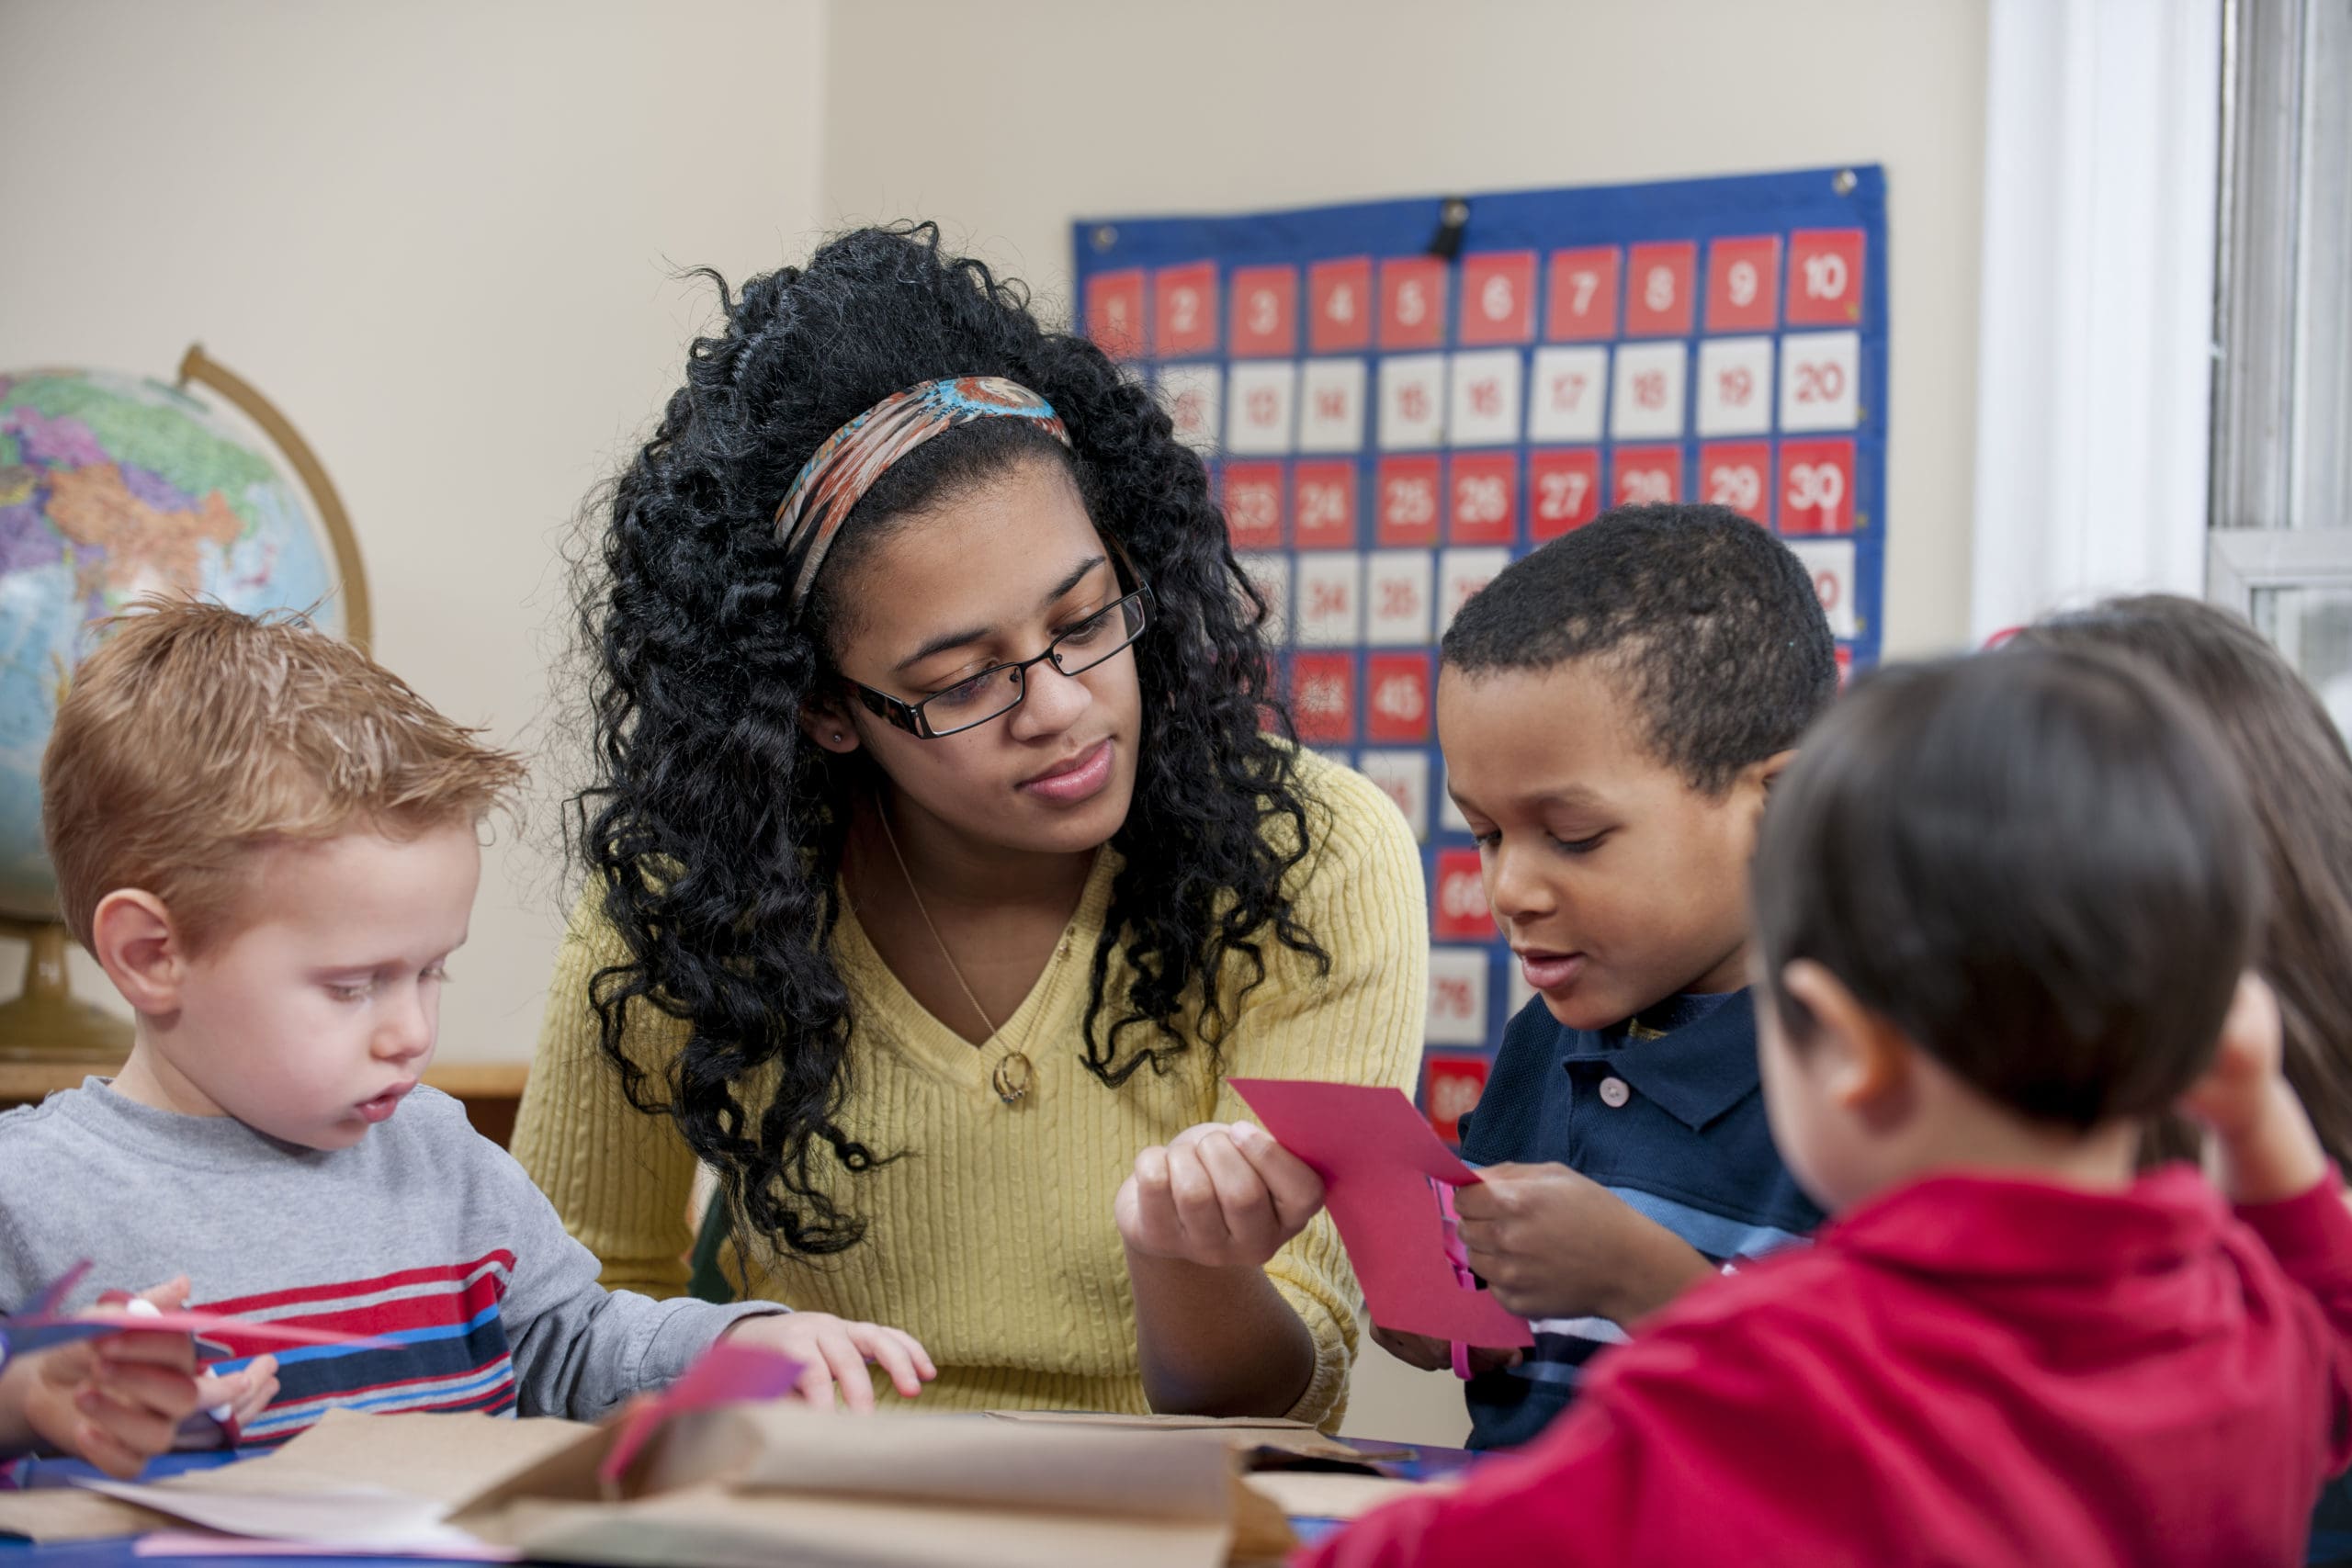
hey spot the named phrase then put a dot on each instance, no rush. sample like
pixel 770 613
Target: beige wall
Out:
pixel 1006 122
pixel 442 237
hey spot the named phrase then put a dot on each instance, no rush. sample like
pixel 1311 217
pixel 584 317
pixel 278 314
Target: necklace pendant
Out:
pixel 1011 1077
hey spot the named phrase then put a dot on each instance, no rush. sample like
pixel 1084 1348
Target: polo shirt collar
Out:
pixel 1984 1225
pixel 1695 1073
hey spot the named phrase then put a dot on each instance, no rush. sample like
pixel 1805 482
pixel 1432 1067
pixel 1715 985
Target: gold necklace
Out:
pixel 1014 1073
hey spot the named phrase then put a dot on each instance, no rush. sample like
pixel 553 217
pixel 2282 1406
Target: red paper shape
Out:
pixel 1583 289
pixel 1482 499
pixel 1115 317
pixel 1825 277
pixel 1459 910
pixel 1185 320
pixel 1406 505
pixel 1338 305
pixel 1253 505
pixel 1323 696
pixel 1646 474
pixel 1412 303
pixel 1325 502
pixel 1817 488
pixel 1564 489
pixel 1378 1160
pixel 1659 289
pixel 1743 284
pixel 726 1373
pixel 1737 474
pixel 1396 697
pixel 1265 312
pixel 1450 1090
pixel 1498 298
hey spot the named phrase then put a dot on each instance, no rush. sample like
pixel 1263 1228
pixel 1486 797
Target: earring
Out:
pixel 839 735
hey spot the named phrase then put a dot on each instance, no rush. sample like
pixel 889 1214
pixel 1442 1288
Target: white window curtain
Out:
pixel 2094 362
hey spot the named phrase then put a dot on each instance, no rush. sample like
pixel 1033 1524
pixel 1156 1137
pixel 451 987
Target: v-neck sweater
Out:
pixel 991 1239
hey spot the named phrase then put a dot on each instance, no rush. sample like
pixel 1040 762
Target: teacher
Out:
pixel 939 874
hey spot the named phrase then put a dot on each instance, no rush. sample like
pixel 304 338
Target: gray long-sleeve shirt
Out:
pixel 423 1232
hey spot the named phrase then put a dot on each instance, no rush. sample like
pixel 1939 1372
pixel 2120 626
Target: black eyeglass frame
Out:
pixel 903 715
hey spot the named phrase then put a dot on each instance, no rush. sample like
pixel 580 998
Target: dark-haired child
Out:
pixel 2004 910
pixel 1613 710
pixel 2299 777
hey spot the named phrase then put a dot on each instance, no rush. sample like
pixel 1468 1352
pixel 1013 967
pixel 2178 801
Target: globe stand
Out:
pixel 46 1023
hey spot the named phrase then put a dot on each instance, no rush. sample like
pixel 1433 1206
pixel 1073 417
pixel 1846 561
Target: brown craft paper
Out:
pixel 756 1484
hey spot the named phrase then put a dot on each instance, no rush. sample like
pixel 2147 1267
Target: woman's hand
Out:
pixel 1217 1195
pixel 834 1353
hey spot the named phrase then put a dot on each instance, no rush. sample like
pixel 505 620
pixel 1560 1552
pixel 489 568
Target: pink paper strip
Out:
pixel 726 1373
pixel 1377 1158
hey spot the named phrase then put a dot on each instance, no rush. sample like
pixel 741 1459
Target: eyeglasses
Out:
pixel 997 689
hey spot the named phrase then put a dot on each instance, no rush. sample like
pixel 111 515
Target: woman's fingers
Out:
pixel 1296 1190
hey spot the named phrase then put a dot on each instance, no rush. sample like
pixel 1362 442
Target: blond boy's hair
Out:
pixel 196 736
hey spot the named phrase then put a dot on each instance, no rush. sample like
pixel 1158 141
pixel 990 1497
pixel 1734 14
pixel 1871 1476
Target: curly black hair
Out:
pixel 715 829
pixel 1712 623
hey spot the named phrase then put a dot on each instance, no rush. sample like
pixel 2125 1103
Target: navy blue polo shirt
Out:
pixel 1667 1111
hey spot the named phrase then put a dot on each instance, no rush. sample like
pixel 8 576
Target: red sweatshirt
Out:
pixel 1967 1370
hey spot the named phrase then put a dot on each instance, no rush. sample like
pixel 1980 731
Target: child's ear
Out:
pixel 133 939
pixel 1767 773
pixel 826 721
pixel 1860 1058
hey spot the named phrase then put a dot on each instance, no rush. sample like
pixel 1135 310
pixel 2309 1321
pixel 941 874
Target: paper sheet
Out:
pixel 1377 1158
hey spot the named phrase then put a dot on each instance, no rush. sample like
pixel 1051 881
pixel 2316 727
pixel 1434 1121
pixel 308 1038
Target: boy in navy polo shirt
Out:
pixel 1613 710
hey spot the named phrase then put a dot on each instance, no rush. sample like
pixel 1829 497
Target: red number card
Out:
pixel 1482 499
pixel 1737 474
pixel 1499 297
pixel 1647 475
pixel 1659 287
pixel 1412 303
pixel 1397 696
pixel 1265 311
pixel 1450 1090
pixel 1743 283
pixel 1323 696
pixel 1253 505
pixel 1114 313
pixel 1564 488
pixel 1338 305
pixel 1816 487
pixel 1406 511
pixel 1825 277
pixel 1458 906
pixel 1583 287
pixel 1325 503
pixel 1187 315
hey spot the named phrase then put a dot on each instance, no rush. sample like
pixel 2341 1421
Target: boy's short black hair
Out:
pixel 1711 621
pixel 2040 865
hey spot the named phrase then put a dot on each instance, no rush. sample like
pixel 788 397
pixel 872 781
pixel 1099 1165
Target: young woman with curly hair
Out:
pixel 940 873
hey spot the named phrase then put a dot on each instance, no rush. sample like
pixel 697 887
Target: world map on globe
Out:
pixel 112 487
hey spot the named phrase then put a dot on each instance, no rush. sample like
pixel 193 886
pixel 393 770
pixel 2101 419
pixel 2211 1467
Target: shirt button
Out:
pixel 1614 1093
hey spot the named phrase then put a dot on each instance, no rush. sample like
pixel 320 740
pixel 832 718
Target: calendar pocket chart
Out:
pixel 1397 399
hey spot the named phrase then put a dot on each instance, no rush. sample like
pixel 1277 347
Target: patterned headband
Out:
pixel 833 481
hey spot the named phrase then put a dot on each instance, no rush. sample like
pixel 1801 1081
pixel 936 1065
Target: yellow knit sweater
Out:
pixel 992 1241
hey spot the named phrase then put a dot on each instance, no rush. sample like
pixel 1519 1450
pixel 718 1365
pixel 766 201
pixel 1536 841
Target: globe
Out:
pixel 114 486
